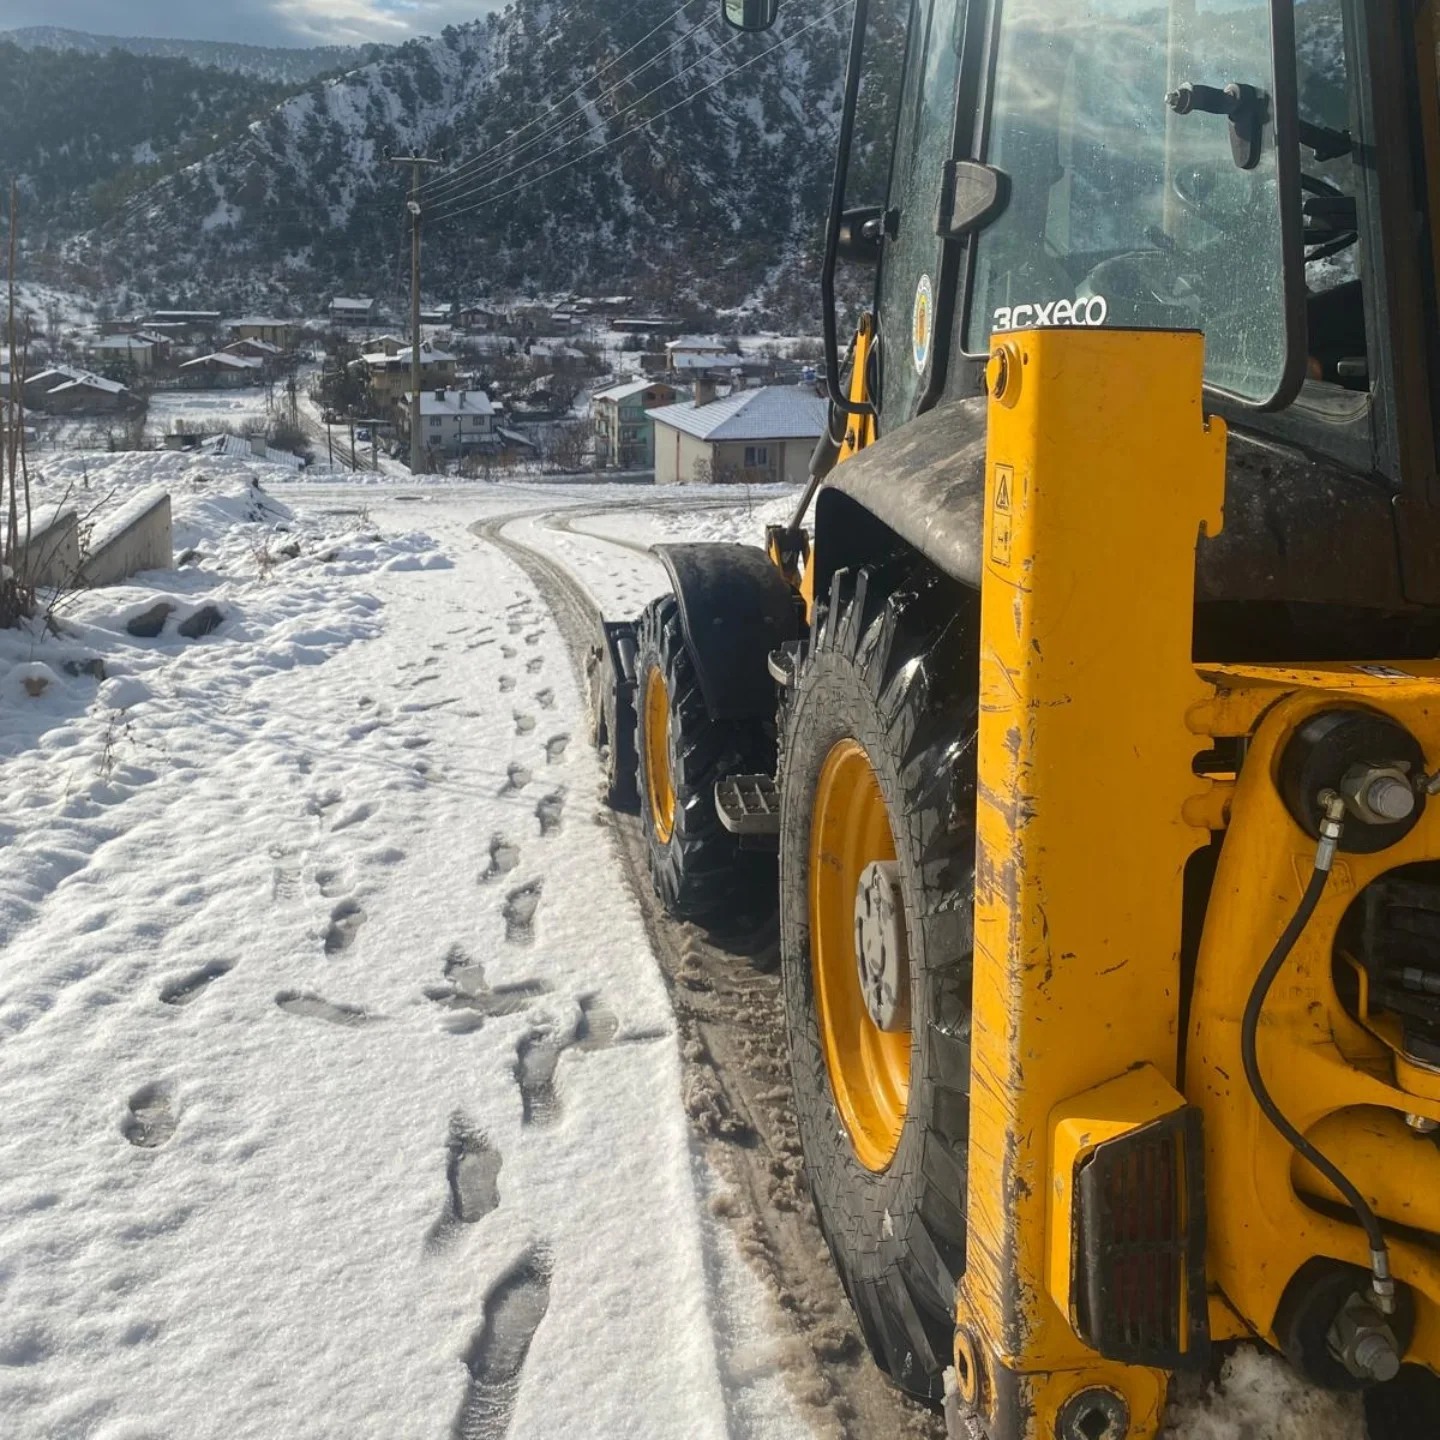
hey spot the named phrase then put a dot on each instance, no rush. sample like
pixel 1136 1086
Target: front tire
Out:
pixel 879 767
pixel 698 868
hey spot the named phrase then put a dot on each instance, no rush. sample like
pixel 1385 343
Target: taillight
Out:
pixel 1138 1246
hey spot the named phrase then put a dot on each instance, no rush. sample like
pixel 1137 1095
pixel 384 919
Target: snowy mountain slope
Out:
pixel 80 131
pixel 260 62
pixel 718 192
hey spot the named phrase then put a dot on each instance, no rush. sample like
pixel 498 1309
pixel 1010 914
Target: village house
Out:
pixel 125 351
pixel 284 335
pixel 389 374
pixel 697 352
pixel 185 324
pixel 624 433
pixel 223 371
pixel 751 436
pixel 482 318
pixel 453 422
pixel 352 311
pixel 63 390
pixel 261 350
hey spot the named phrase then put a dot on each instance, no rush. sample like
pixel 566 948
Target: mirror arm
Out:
pixel 853 67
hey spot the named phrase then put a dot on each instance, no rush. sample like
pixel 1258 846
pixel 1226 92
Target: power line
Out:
pixel 645 125
pixel 444 182
pixel 619 115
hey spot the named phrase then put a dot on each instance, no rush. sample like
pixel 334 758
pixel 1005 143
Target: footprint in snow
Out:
pixel 357 816
pixel 550 810
pixel 524 724
pixel 519 912
pixel 504 857
pixel 472 1176
pixel 507 684
pixel 192 986
pixel 535 664
pixel 330 882
pixel 508 651
pixel 555 748
pixel 313 1007
pixel 545 698
pixel 538 1054
pixel 151 1121
pixel 517 777
pixel 534 637
pixel 471 1001
pixel 345 922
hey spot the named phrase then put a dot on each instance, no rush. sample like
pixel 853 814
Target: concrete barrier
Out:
pixel 52 554
pixel 138 538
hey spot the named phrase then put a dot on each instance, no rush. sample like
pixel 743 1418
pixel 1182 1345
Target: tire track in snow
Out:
pixel 737 1086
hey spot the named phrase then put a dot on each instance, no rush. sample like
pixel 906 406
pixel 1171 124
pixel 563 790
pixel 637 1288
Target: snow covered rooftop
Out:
pixel 71 379
pixel 226 361
pixel 707 360
pixel 455 402
pixel 263 320
pixel 254 344
pixel 698 342
pixel 628 388
pixel 429 355
pixel 774 413
pixel 342 302
pixel 124 342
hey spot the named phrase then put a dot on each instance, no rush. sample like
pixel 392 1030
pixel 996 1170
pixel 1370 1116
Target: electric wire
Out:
pixel 489 156
pixel 578 139
pixel 637 129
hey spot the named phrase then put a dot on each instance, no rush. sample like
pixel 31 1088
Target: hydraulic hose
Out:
pixel 1330 831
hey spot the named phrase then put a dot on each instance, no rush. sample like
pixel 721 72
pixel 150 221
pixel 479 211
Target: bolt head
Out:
pixel 1391 798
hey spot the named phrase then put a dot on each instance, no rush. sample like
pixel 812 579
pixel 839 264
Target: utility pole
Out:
pixel 417 165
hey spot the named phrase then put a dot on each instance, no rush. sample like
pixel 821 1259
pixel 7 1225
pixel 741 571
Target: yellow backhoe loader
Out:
pixel 1086 719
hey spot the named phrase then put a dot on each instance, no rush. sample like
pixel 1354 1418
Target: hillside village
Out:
pixel 571 386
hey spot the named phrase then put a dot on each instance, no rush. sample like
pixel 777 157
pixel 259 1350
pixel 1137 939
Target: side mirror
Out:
pixel 752 15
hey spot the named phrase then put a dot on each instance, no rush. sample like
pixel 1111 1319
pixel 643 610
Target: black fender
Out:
pixel 610 675
pixel 921 487
pixel 1305 567
pixel 735 608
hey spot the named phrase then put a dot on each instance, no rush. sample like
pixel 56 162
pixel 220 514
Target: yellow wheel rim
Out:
pixel 659 785
pixel 869 1067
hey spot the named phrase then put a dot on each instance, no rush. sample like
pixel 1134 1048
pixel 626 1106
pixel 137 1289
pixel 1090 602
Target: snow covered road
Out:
pixel 350 1087
pixel 360 1095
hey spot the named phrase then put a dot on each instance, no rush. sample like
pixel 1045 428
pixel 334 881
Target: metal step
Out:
pixel 748 805
pixel 784 664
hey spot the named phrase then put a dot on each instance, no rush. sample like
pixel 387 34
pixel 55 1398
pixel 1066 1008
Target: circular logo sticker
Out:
pixel 922 323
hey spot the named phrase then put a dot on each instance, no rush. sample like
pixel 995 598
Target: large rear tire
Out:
pixel 698 868
pixel 879 766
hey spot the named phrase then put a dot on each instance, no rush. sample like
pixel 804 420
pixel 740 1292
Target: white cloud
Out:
pixel 350 22
pixel 258 22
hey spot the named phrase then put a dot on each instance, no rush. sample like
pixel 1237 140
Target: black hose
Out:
pixel 1379 1250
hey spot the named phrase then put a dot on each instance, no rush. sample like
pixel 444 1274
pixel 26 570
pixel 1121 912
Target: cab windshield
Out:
pixel 1132 203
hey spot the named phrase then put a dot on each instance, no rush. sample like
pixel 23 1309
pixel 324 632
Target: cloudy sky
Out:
pixel 256 22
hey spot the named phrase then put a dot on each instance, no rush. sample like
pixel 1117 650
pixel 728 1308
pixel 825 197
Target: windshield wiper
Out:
pixel 1247 108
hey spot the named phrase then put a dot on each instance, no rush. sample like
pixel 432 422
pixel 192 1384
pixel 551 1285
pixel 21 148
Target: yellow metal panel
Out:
pixel 1101 473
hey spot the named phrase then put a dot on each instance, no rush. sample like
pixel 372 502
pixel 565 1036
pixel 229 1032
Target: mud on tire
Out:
pixel 892 664
pixel 698 868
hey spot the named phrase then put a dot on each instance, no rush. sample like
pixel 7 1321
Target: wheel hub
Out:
pixel 881 954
